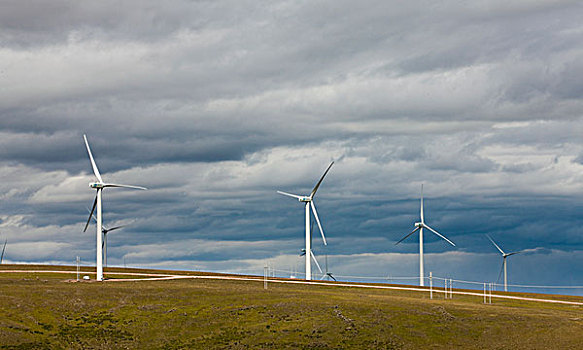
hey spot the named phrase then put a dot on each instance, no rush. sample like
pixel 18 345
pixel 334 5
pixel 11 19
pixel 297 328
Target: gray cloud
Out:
pixel 215 105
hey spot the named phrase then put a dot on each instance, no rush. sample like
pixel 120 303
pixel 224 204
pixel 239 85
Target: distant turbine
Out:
pixel 99 186
pixel 328 275
pixel 105 230
pixel 309 200
pixel 325 275
pixel 504 256
pixel 419 226
pixel 3 250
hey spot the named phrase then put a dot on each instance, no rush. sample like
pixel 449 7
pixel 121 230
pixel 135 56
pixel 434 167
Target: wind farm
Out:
pixel 254 311
pixel 436 150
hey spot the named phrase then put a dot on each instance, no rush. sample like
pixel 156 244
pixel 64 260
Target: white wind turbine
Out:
pixel 328 275
pixel 99 186
pixel 419 226
pixel 3 250
pixel 504 256
pixel 309 200
pixel 105 231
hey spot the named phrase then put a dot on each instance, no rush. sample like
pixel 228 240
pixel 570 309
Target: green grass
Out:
pixel 41 311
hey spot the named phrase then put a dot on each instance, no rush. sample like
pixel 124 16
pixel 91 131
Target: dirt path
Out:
pixel 162 277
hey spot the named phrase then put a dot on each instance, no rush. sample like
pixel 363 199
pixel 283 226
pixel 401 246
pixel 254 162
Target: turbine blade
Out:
pixel 520 251
pixel 421 214
pixel 95 170
pixel 439 234
pixel 332 277
pixel 496 245
pixel 318 222
pixel 115 228
pixel 319 182
pixel 125 186
pixel 3 250
pixel 316 261
pixel 412 232
pixel 91 214
pixel 289 194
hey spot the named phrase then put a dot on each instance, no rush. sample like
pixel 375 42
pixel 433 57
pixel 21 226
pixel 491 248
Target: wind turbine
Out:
pixel 105 230
pixel 328 275
pixel 99 186
pixel 419 226
pixel 3 250
pixel 309 200
pixel 504 256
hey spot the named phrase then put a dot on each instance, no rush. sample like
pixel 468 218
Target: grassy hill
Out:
pixel 42 310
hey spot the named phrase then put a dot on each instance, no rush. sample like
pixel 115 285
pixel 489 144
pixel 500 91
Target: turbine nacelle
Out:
pixel 305 199
pixel 96 185
pixel 419 224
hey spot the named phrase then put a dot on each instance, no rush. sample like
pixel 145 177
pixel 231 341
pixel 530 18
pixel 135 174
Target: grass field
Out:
pixel 43 311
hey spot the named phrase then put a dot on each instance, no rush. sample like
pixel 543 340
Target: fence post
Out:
pixel 490 292
pixel 430 285
pixel 78 259
pixel 484 293
pixel 445 288
pixel 451 288
pixel 265 273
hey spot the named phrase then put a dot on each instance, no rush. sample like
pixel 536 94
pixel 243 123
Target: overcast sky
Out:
pixel 215 105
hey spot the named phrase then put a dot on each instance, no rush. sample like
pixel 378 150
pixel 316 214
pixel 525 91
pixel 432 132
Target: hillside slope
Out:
pixel 41 310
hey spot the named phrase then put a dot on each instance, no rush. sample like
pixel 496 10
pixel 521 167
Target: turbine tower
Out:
pixel 419 226
pixel 99 186
pixel 309 200
pixel 504 256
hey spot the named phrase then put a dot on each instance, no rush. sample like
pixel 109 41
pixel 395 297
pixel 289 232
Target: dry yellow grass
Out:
pixel 42 311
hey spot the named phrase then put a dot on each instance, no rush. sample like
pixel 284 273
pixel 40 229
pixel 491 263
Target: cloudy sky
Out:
pixel 215 105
